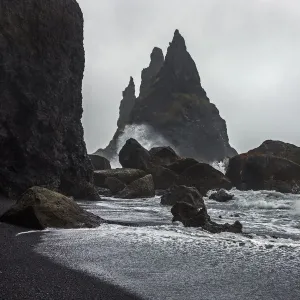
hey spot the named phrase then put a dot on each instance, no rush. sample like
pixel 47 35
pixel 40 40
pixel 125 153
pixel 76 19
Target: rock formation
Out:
pixel 41 71
pixel 173 103
pixel 274 165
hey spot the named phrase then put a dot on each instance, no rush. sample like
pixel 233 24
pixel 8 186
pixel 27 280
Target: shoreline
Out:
pixel 25 274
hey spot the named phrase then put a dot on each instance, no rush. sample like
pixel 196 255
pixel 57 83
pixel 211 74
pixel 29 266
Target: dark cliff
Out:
pixel 173 102
pixel 41 72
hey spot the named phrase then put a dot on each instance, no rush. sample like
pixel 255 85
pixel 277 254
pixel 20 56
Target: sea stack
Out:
pixel 41 71
pixel 174 104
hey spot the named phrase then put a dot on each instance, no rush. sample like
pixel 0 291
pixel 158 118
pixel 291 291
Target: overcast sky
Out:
pixel 247 54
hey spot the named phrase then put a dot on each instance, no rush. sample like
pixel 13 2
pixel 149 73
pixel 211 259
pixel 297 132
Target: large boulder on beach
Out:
pixel 140 188
pixel 41 70
pixel 204 177
pixel 123 174
pixel 39 208
pixel 264 172
pixel 163 177
pixel 192 216
pixel 99 162
pixel 182 194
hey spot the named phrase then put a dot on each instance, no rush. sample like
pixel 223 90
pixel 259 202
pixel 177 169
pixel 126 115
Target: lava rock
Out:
pixel 204 177
pixel 163 155
pixel 39 208
pixel 221 196
pixel 134 155
pixel 114 184
pixel 99 162
pixel 41 70
pixel 182 194
pixel 125 175
pixel 264 172
pixel 140 188
pixel 181 165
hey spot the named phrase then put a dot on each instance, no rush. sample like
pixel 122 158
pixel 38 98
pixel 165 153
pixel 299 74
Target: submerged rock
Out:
pixel 41 71
pixel 140 188
pixel 192 216
pixel 99 162
pixel 221 196
pixel 39 208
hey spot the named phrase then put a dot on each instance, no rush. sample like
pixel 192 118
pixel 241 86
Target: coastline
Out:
pixel 25 274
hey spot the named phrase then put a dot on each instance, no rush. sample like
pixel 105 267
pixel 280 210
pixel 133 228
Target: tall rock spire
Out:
pixel 148 74
pixel 126 104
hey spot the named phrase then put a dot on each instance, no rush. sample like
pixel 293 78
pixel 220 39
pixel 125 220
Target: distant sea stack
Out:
pixel 173 102
pixel 41 72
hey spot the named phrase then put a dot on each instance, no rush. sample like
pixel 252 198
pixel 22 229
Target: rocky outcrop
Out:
pixel 125 175
pixel 173 103
pixel 182 194
pixel 41 71
pixel 149 74
pixel 279 149
pixel 99 162
pixel 177 107
pixel 264 172
pixel 140 188
pixel 204 177
pixel 221 196
pixel 274 165
pixel 39 208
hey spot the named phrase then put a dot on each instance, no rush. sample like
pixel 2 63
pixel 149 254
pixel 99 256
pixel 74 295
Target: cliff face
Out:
pixel 173 102
pixel 41 71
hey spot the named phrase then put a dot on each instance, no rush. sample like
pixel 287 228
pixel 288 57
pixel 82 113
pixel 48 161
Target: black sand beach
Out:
pixel 27 275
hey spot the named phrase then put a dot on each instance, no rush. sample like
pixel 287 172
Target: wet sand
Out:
pixel 25 274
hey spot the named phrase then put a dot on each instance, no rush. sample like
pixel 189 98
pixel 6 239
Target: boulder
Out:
pixel 99 162
pixel 39 208
pixel 182 193
pixel 123 174
pixel 192 216
pixel 134 155
pixel 264 172
pixel 41 70
pixel 140 188
pixel 163 155
pixel 179 166
pixel 105 192
pixel 279 149
pixel 114 184
pixel 204 177
pixel 163 178
pixel 221 196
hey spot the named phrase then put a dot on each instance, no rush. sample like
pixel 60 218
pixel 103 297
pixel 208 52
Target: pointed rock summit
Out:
pixel 127 104
pixel 173 102
pixel 156 62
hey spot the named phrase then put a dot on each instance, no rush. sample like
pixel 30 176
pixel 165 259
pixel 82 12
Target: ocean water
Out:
pixel 160 260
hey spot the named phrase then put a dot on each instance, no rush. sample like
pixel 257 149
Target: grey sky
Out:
pixel 247 54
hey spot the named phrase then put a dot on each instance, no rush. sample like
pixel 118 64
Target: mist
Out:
pixel 247 54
